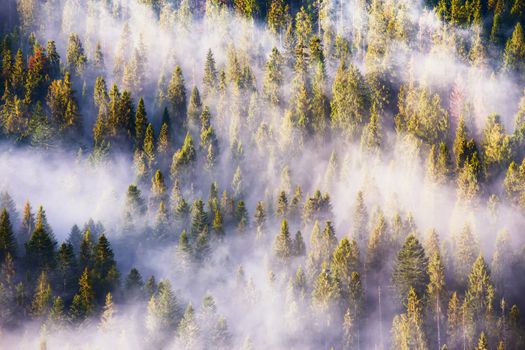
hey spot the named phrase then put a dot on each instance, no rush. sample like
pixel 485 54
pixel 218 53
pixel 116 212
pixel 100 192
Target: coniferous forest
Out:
pixel 262 174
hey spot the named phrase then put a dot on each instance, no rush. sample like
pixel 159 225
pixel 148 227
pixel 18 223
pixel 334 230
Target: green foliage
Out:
pixel 350 102
pixel 283 243
pixel 7 238
pixel 410 269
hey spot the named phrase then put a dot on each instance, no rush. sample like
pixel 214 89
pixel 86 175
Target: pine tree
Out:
pixel 350 101
pixel 260 215
pixel 465 252
pixel 217 224
pixel 502 260
pixel 86 250
pixel 107 318
pixel 103 256
pixel 7 238
pixel 326 290
pixel 86 294
pixel 371 137
pixel 360 221
pixel 194 110
pixel 378 245
pixel 42 298
pixel 436 291
pixel 515 51
pixel 177 96
pixel 149 145
pixel 100 93
pixel 133 284
pixel 141 123
pixel 199 219
pixel 241 216
pixel 480 291
pixel 299 247
pixel 209 79
pixel 454 322
pixel 164 142
pixel 62 104
pixel 410 269
pixel 345 261
pixel 407 329
pixel 18 73
pixel 67 267
pixel 40 249
pixel 281 209
pixel 163 312
pixel 76 58
pixel 57 319
pixel 183 158
pixel 482 343
pixel 283 243
pixel 238 183
pixel 274 77
pixel 188 329
pixel 53 59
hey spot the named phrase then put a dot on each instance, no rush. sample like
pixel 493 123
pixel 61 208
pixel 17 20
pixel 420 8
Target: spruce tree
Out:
pixel 283 243
pixel 410 269
pixel 42 298
pixel 133 284
pixel 177 96
pixel 40 249
pixel 7 238
pixel 209 79
pixel 141 123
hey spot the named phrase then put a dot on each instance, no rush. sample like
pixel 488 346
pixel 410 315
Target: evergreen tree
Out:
pixel 466 251
pixel 183 158
pixel 107 318
pixel 194 109
pixel 42 298
pixel 57 319
pixel 480 291
pixel 7 238
pixel 345 261
pixel 163 312
pixel 141 123
pixel 199 219
pixel 209 79
pixel 177 96
pixel 350 101
pixel 67 267
pixel 326 290
pixel 133 284
pixel 40 249
pixel 482 343
pixel 283 243
pixel 410 269
pixel 407 329
pixel 188 329
pixel 515 51
pixel 76 58
pixel 274 77
pixel 299 247
pixel 86 294
pixel 360 221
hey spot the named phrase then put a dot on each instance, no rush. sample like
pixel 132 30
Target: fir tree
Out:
pixel 410 270
pixel 42 298
pixel 177 96
pixel 283 243
pixel 7 238
pixel 141 123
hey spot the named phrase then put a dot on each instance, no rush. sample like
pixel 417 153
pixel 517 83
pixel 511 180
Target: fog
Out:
pixel 260 308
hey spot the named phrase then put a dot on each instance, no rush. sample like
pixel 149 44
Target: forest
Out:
pixel 262 174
